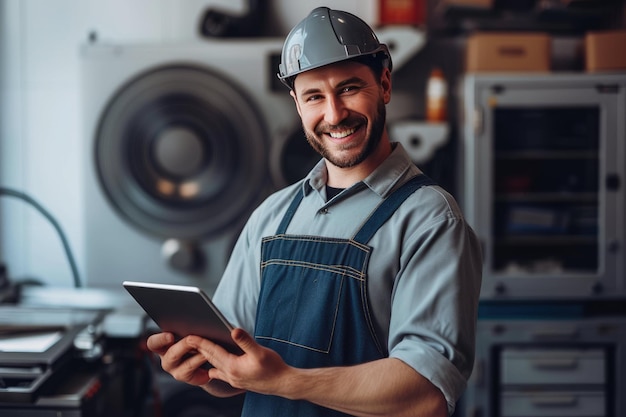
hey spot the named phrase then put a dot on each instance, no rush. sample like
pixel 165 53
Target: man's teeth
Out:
pixel 339 135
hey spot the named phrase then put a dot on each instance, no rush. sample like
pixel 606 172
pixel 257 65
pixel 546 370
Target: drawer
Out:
pixel 552 366
pixel 553 404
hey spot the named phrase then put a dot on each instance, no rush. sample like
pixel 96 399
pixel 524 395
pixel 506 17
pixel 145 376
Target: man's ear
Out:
pixel 295 99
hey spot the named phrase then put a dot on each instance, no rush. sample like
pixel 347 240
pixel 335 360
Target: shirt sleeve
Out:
pixel 435 302
pixel 237 292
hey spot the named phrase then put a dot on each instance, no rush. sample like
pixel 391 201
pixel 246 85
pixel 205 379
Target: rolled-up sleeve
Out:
pixel 435 301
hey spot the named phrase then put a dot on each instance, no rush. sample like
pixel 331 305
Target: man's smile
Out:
pixel 342 134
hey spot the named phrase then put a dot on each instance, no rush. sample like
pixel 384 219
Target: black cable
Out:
pixel 68 252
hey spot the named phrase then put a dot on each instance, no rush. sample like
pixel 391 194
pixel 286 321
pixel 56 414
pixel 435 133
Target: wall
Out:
pixel 40 111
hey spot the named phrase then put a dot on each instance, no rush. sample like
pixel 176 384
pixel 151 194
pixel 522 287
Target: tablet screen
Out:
pixel 183 310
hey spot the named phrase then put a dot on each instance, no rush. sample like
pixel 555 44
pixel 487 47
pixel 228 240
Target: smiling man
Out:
pixel 355 290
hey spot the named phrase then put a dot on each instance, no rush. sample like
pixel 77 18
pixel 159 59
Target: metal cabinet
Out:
pixel 543 170
pixel 548 381
pixel 548 368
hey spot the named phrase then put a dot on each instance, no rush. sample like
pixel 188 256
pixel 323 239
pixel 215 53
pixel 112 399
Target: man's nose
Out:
pixel 336 111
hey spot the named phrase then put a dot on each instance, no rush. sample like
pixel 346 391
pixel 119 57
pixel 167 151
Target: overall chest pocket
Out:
pixel 303 313
pixel 306 287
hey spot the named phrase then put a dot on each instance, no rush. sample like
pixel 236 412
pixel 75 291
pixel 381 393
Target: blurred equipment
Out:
pixel 119 336
pixel 8 291
pixel 421 140
pixel 436 97
pixel 182 141
pixel 553 16
pixel 549 366
pixel 403 42
pixel 4 191
pixel 217 23
pixel 543 172
pixel 402 12
pixel 59 362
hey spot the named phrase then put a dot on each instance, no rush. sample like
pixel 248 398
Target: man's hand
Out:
pixel 258 369
pixel 185 364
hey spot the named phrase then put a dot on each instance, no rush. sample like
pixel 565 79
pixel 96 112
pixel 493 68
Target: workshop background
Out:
pixel 136 138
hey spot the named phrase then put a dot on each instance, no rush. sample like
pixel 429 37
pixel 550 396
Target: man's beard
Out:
pixel 372 141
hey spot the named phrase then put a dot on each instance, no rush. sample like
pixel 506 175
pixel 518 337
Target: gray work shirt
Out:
pixel 423 277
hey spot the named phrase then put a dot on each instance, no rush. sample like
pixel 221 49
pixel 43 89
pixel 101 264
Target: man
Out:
pixel 359 283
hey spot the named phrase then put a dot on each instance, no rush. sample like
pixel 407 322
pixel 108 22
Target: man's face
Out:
pixel 342 107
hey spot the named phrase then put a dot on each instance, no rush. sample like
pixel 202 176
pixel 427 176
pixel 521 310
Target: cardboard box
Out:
pixel 605 51
pixel 506 51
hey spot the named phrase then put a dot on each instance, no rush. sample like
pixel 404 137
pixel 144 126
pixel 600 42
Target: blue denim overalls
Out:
pixel 313 305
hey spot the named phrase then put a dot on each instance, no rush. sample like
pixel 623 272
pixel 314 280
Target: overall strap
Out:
pixel 282 228
pixel 389 206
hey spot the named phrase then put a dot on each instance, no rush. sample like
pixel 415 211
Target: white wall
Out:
pixel 40 113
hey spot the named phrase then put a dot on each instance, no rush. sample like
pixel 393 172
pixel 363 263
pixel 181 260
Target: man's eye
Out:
pixel 313 98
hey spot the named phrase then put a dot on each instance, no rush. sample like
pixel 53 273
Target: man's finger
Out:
pixel 160 342
pixel 243 339
pixel 209 350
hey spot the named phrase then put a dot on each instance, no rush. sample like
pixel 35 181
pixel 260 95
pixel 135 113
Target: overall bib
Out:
pixel 313 306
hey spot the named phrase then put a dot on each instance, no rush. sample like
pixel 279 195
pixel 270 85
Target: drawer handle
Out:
pixel 555 363
pixel 556 333
pixel 556 401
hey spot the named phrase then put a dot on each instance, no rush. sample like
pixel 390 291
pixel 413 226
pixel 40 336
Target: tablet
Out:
pixel 183 310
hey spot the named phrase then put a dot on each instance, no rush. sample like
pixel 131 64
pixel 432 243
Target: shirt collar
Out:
pixel 382 180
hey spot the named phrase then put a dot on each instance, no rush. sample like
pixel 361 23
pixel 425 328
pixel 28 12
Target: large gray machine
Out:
pixel 182 141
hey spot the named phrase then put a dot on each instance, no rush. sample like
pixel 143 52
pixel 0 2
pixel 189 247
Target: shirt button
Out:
pixel 324 211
